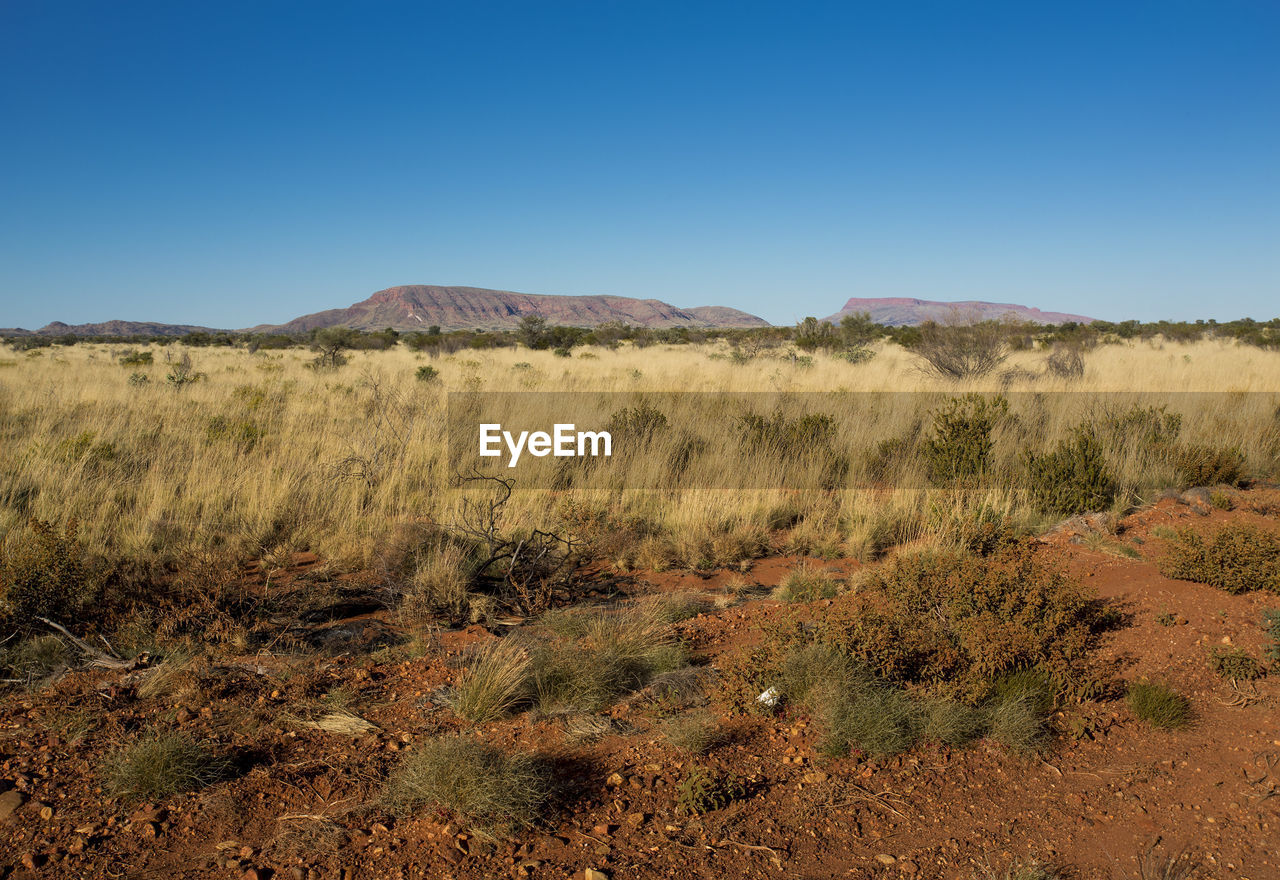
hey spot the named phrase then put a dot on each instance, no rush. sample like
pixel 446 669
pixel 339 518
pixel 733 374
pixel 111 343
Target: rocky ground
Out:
pixel 304 802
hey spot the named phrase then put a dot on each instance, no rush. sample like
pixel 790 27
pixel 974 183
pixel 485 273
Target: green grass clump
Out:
pixel 478 782
pixel 806 583
pixel 1159 705
pixel 1236 663
pixel 1236 558
pixel 163 764
pixel 695 733
pixel 1074 478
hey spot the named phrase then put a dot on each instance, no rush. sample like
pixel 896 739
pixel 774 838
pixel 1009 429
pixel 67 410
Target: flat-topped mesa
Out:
pixel 901 311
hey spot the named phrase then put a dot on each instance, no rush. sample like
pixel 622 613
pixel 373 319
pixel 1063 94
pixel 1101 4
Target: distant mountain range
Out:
pixel 897 311
pixel 418 307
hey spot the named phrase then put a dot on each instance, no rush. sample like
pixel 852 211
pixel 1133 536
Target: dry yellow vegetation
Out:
pixel 265 455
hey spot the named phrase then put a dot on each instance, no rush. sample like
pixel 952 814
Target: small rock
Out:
pixel 593 874
pixel 604 829
pixel 10 801
pixel 183 715
pixel 297 873
pixel 907 867
pixel 614 780
pixel 885 859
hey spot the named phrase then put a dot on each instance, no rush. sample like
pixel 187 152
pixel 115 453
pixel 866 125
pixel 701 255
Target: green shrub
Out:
pixel 959 450
pixel 428 373
pixel 479 783
pixel 161 765
pixel 1236 663
pixel 873 718
pixel 1159 705
pixel 1072 479
pixel 133 358
pixel 1271 625
pixel 705 789
pixel 241 433
pixel 1208 465
pixel 1238 557
pixel 43 573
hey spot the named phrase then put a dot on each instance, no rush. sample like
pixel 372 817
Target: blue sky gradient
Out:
pixel 229 164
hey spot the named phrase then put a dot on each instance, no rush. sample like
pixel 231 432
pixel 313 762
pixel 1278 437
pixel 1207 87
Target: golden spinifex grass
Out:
pixel 265 455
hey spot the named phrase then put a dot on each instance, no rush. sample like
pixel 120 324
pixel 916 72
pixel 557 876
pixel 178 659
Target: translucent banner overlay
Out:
pixel 832 440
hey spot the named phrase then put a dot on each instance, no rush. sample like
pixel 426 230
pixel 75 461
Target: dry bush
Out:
pixel 955 625
pixel 1205 465
pixel 1237 558
pixel 1065 362
pixel 962 351
pixel 439 585
pixel 479 783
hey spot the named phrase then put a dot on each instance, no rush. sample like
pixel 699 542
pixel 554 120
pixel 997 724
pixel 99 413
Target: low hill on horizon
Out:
pixel 906 311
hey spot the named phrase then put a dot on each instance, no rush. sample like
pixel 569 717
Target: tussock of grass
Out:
pixel 478 782
pixel 496 682
pixel 1017 723
pixel 675 607
pixel 35 658
pixel 872 718
pixel 163 764
pixel 696 733
pixel 807 583
pixel 1159 705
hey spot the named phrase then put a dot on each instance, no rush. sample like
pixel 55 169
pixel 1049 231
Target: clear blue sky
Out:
pixel 226 163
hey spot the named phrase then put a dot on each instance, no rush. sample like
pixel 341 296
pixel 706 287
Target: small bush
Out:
pixel 806 583
pixel 1236 664
pixel 496 682
pixel 162 765
pixel 427 373
pixel 959 449
pixel 873 718
pixel 137 380
pixel 438 586
pixel 133 358
pixel 43 573
pixel 1065 362
pixel 1159 705
pixel 1236 558
pixel 705 789
pixel 1074 478
pixel 1271 625
pixel 478 782
pixel 1208 465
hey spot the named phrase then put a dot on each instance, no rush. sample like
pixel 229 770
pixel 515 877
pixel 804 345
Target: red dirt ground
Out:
pixel 305 802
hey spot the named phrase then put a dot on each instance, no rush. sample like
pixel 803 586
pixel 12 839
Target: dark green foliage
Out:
pixel 804 434
pixel 1074 478
pixel 476 781
pixel 705 789
pixel 1236 663
pixel 959 450
pixel 243 434
pixel 43 573
pixel 636 425
pixel 1236 558
pixel 1159 705
pixel 426 373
